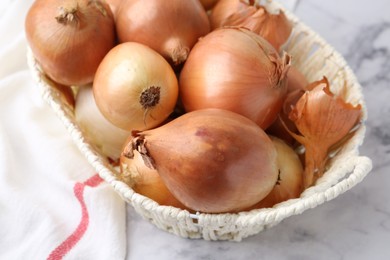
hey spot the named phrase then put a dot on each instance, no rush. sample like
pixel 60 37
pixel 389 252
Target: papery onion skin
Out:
pixel 108 138
pixel 146 181
pixel 70 38
pixel 323 119
pixel 297 84
pixel 135 88
pixel 170 29
pixel 226 8
pixel 272 25
pixel 290 180
pixel 237 70
pixel 212 160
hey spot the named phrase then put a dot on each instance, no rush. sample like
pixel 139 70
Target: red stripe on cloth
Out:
pixel 72 240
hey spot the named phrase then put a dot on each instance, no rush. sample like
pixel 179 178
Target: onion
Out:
pixel 237 70
pixel 108 138
pixel 170 29
pixel 146 181
pixel 70 38
pixel 212 160
pixel 290 180
pixel 272 25
pixel 135 87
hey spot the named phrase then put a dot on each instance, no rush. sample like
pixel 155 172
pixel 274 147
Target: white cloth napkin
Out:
pixel 52 203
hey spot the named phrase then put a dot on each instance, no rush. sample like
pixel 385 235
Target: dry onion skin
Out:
pixel 290 180
pixel 297 84
pixel 170 29
pixel 323 119
pixel 212 160
pixel 135 88
pixel 237 70
pixel 273 26
pixel 70 38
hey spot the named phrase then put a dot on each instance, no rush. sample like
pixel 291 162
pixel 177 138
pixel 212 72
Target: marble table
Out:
pixel 355 225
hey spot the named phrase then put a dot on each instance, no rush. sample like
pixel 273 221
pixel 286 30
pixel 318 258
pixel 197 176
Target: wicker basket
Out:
pixel 315 58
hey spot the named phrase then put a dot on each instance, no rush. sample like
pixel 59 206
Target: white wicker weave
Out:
pixel 315 58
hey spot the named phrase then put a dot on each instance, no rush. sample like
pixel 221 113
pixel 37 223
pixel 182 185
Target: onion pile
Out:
pixel 196 101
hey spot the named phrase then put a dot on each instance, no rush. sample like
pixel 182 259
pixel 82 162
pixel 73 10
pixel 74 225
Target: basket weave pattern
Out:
pixel 314 58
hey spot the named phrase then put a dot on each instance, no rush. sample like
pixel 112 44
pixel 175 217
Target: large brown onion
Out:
pixel 70 38
pixel 212 160
pixel 170 29
pixel 237 70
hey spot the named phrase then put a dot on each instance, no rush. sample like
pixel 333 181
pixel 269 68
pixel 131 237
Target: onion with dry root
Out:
pixel 70 38
pixel 237 70
pixel 135 87
pixel 212 160
pixel 170 29
pixel 273 25
pixel 146 181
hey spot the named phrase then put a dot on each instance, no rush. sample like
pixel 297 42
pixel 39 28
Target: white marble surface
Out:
pixel 355 225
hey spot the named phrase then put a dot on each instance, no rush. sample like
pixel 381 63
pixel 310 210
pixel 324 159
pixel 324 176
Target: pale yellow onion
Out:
pixel 103 134
pixel 135 88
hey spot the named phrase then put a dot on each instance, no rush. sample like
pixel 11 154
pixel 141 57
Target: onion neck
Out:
pixel 176 51
pixel 282 69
